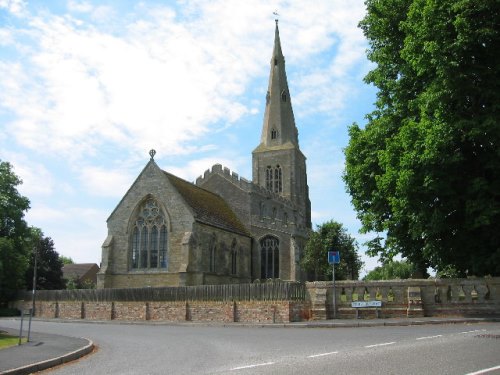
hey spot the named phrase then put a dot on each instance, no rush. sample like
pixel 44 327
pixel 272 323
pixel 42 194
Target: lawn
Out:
pixel 8 340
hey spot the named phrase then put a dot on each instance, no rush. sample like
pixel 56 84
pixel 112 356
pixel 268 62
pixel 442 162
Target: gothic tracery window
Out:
pixel 269 261
pixel 269 178
pixel 278 184
pixel 234 258
pixel 149 237
pixel 212 253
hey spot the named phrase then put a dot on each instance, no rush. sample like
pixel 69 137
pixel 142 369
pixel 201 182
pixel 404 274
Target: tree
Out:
pixel 391 270
pixel 49 266
pixel 14 250
pixel 66 260
pixel 331 236
pixel 425 170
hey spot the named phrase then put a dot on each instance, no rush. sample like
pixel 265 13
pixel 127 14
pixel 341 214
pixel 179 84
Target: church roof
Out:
pixel 80 270
pixel 209 208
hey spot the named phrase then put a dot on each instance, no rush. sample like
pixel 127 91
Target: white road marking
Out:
pixel 382 344
pixel 475 330
pixel 321 355
pixel 428 337
pixel 484 371
pixel 252 366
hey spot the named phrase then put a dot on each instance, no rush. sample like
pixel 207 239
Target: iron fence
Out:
pixel 258 291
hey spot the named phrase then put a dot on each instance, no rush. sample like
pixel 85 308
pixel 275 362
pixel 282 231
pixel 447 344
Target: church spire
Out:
pixel 279 123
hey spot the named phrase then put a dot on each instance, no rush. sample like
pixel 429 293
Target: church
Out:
pixel 223 228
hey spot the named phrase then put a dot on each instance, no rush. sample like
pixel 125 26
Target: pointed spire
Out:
pixel 277 53
pixel 279 123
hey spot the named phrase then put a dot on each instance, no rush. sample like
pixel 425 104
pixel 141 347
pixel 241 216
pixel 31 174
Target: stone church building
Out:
pixel 222 229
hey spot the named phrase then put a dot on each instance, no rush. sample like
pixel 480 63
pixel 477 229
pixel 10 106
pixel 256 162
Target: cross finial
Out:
pixel 152 153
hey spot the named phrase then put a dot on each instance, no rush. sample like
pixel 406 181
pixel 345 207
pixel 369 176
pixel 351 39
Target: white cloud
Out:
pixel 196 168
pixel 44 214
pixel 105 181
pixel 77 232
pixel 164 83
pixel 37 179
pixel 80 6
pixel 16 7
pixel 96 89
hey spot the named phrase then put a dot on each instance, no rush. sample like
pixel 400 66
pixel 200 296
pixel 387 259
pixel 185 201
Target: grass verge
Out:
pixel 8 340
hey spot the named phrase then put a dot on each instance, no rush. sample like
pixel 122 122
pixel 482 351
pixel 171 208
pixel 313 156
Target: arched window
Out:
pixel 278 184
pixel 269 178
pixel 135 248
pixel 234 258
pixel 283 95
pixel 163 247
pixel 212 253
pixel 269 258
pixel 153 252
pixel 144 247
pixel 149 237
pixel 274 134
pixel 274 179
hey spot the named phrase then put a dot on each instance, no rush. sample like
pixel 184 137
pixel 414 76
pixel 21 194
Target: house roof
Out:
pixel 208 208
pixel 78 270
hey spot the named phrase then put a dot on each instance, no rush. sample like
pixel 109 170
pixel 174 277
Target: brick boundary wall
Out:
pixel 196 311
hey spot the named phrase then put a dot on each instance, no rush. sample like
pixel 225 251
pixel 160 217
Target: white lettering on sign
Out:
pixel 366 304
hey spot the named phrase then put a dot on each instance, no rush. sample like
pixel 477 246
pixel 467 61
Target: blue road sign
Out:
pixel 334 257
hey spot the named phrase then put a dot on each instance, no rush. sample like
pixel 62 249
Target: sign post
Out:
pixel 334 258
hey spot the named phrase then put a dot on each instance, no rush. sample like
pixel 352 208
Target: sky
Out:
pixel 87 88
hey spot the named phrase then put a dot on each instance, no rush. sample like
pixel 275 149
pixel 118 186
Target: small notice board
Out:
pixel 333 257
pixel 366 304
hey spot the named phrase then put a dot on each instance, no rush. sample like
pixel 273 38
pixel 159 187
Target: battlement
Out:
pixel 225 172
pixel 242 183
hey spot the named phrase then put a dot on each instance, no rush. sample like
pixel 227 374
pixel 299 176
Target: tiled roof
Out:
pixel 77 270
pixel 209 208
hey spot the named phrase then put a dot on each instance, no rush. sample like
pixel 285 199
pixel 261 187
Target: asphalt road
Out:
pixel 164 349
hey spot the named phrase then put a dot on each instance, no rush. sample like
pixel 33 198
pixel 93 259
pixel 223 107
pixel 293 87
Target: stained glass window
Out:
pixel 269 261
pixel 149 237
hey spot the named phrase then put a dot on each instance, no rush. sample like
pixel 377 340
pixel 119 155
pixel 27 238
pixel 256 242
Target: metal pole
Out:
pixel 34 280
pixel 32 310
pixel 29 326
pixel 21 329
pixel 334 293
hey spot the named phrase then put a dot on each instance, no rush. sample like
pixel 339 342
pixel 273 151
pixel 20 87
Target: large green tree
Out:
pixel 331 236
pixel 49 264
pixel 14 233
pixel 425 170
pixel 393 269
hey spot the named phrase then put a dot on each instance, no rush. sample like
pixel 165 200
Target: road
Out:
pixel 167 349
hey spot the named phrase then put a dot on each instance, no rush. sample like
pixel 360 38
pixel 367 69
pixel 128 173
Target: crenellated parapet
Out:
pixel 233 177
pixel 243 183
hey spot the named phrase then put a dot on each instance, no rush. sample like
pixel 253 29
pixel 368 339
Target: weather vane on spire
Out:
pixel 276 15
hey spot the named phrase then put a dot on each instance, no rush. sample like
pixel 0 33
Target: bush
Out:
pixel 5 311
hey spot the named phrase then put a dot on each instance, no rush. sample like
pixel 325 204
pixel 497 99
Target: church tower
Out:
pixel 278 165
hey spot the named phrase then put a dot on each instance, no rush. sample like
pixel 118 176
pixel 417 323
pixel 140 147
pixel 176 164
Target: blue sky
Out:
pixel 87 88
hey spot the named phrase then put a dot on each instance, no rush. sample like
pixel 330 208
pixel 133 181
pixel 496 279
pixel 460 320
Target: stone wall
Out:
pixel 407 298
pixel 398 298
